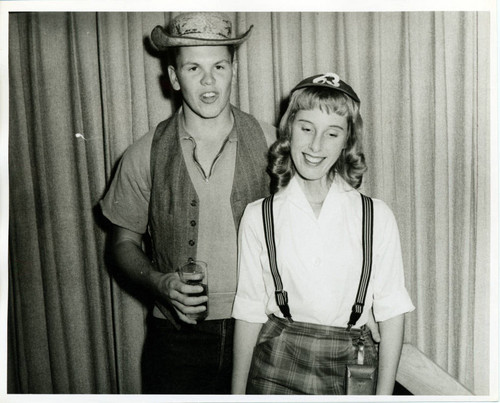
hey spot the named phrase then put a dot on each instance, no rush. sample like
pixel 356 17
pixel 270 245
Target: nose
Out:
pixel 207 78
pixel 315 144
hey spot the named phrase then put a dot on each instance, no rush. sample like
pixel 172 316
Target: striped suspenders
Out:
pixel 357 308
pixel 282 296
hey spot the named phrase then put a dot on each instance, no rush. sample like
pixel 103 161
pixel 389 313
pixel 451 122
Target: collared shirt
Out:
pixel 126 204
pixel 214 191
pixel 319 259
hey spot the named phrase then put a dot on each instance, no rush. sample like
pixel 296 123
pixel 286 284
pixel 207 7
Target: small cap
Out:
pixel 328 80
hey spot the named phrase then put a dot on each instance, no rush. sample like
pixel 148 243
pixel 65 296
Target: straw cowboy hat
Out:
pixel 197 29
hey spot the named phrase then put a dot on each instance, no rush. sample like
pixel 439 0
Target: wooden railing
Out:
pixel 421 376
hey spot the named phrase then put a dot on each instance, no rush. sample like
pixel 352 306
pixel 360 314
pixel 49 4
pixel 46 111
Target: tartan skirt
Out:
pixel 305 358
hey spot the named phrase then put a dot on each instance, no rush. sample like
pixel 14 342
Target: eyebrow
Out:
pixel 198 64
pixel 308 121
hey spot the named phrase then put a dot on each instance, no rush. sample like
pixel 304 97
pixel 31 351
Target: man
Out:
pixel 187 183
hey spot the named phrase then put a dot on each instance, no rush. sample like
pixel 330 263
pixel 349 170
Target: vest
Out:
pixel 173 209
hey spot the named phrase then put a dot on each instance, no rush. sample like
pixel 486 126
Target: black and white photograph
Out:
pixel 249 201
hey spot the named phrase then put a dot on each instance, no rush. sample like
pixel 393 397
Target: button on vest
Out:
pixel 173 227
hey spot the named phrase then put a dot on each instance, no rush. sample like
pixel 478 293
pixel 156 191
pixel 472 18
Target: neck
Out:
pixel 316 190
pixel 207 128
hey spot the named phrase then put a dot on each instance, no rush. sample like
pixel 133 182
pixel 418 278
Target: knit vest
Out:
pixel 173 209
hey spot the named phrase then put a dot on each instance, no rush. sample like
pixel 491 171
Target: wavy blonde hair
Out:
pixel 350 164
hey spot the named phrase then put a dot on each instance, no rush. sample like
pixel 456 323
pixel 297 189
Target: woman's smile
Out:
pixel 313 160
pixel 318 139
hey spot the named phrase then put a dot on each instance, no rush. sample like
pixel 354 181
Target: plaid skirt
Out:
pixel 305 358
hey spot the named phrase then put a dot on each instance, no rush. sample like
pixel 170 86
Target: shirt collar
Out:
pixel 294 193
pixel 184 134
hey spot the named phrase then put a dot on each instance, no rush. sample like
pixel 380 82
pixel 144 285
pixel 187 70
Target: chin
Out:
pixel 310 176
pixel 210 112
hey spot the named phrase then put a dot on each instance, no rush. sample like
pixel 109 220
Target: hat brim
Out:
pixel 162 40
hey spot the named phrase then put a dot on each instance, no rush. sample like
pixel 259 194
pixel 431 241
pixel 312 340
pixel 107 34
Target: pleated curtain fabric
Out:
pixel 85 85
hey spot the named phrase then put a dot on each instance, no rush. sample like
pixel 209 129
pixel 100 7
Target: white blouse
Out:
pixel 319 259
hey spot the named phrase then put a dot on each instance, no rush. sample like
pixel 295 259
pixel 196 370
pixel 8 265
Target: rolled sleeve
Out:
pixel 248 310
pixel 251 298
pixel 126 203
pixel 390 297
pixel 394 305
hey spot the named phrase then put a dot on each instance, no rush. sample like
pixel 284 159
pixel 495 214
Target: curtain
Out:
pixel 84 86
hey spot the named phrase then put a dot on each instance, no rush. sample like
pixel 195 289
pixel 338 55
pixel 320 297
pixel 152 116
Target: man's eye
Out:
pixel 333 134
pixel 219 67
pixel 306 129
pixel 194 68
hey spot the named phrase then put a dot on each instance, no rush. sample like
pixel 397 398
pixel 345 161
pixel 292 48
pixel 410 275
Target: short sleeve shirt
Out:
pixel 320 259
pixel 127 204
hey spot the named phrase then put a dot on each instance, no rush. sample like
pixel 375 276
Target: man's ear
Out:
pixel 235 69
pixel 173 78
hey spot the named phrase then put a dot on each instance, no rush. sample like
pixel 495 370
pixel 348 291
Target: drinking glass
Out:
pixel 194 272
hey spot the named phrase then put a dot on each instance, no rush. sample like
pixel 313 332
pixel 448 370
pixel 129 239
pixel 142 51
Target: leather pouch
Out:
pixel 360 379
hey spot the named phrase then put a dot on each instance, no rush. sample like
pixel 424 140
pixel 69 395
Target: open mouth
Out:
pixel 312 160
pixel 209 97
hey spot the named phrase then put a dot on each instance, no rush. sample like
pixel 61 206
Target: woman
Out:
pixel 297 341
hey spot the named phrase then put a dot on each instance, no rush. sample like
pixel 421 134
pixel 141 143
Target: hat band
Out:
pixel 201 35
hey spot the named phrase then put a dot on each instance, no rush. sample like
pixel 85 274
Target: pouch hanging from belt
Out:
pixel 360 379
pixel 282 296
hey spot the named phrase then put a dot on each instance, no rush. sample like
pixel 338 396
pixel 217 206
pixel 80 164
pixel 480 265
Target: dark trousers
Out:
pixel 196 359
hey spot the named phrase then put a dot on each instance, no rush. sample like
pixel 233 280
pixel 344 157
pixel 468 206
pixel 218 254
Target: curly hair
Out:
pixel 350 164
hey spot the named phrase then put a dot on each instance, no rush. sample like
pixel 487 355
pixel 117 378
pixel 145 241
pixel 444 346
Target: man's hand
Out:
pixel 373 326
pixel 173 290
pixel 130 258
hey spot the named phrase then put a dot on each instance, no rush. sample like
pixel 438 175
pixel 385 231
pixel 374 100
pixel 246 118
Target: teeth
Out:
pixel 313 160
pixel 208 94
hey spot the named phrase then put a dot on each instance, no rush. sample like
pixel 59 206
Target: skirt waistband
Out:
pixel 320 330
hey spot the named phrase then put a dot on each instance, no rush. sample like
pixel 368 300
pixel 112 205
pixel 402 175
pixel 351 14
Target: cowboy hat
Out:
pixel 197 29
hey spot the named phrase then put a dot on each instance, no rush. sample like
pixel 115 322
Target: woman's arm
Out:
pixel 245 338
pixel 391 334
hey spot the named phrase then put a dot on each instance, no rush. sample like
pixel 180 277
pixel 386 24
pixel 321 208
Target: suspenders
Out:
pixel 282 296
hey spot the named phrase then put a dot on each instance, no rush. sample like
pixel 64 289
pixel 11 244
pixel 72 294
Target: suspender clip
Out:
pixel 357 310
pixel 281 297
pixel 282 301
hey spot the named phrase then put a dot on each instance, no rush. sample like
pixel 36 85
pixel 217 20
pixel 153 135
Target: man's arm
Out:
pixel 245 338
pixel 391 334
pixel 133 262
